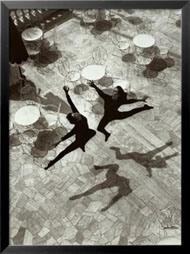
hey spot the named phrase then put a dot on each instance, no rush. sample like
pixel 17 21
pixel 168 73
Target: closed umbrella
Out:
pixel 17 52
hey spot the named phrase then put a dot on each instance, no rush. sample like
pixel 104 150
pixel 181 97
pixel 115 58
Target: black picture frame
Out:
pixel 4 128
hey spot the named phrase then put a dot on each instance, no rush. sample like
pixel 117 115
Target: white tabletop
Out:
pixel 144 40
pixel 27 115
pixel 32 34
pixel 93 72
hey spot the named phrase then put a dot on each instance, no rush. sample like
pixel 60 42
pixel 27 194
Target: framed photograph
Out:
pixel 94 123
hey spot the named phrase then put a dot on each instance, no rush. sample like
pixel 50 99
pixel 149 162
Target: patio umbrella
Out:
pixel 17 52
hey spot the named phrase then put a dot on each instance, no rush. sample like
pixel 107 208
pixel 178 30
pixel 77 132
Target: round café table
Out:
pixel 27 115
pixel 32 39
pixel 93 72
pixel 32 34
pixel 143 40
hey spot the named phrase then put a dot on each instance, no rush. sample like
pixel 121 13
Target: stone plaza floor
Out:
pixel 147 210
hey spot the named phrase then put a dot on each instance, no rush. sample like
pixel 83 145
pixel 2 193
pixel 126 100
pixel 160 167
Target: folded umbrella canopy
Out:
pixel 17 50
pixel 17 56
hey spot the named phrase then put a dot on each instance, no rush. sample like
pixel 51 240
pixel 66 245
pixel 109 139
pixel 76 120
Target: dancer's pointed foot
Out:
pixel 169 143
pixel 107 136
pixel 148 107
pixel 83 148
pixel 104 209
pixel 149 174
pixel 74 197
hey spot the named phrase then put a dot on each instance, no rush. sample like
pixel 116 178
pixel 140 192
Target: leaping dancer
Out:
pixel 111 105
pixel 81 130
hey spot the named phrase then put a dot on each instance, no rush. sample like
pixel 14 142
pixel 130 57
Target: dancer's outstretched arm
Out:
pixel 99 91
pixel 74 109
pixel 108 166
pixel 170 156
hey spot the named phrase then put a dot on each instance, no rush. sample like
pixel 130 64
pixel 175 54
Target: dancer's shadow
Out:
pixel 112 180
pixel 147 160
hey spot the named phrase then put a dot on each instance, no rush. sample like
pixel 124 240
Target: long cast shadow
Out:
pixel 48 54
pixel 112 180
pixel 147 160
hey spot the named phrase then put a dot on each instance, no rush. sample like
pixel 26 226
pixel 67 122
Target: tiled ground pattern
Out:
pixel 149 212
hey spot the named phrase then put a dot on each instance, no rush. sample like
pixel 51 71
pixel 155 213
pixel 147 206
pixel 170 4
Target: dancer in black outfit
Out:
pixel 81 130
pixel 111 105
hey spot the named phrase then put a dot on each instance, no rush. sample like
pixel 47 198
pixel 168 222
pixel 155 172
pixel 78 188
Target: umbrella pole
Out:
pixel 22 78
pixel 20 72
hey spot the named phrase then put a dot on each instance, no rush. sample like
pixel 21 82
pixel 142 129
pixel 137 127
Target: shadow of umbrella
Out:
pixel 46 141
pixel 157 64
pixel 48 54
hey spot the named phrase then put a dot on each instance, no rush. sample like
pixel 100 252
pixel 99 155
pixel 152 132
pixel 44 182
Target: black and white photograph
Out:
pixel 95 127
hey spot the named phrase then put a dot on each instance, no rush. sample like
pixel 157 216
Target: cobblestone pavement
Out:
pixel 63 205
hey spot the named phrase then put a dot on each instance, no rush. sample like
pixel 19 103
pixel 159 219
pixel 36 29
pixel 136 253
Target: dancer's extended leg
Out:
pixel 101 127
pixel 152 153
pixel 67 150
pixel 123 115
pixel 112 202
pixel 149 170
pixel 84 140
pixel 92 190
